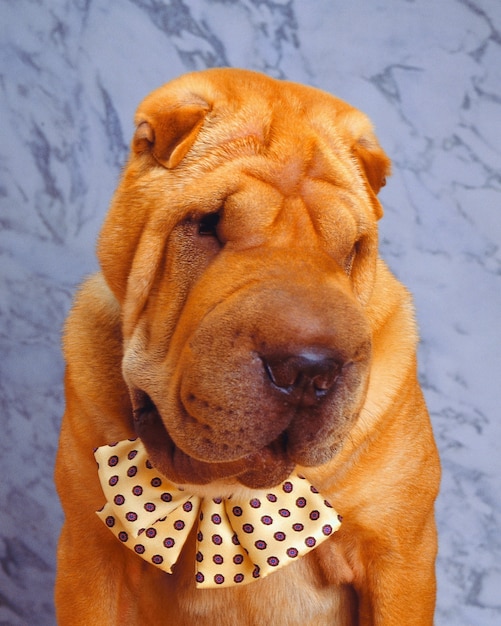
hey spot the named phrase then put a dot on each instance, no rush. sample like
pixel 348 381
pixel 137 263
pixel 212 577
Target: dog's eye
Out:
pixel 207 226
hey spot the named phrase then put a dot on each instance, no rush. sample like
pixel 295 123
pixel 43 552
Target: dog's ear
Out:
pixel 366 150
pixel 168 132
pixel 374 162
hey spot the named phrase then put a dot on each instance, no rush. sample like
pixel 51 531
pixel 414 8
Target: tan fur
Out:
pixel 185 319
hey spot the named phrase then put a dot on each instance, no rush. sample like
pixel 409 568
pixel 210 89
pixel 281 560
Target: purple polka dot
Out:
pixel 313 489
pixel 113 481
pixel 187 506
pixel 340 518
pixel 310 541
pixel 238 559
pixel 139 548
pixel 217 500
pixel 151 533
pixel 179 524
pixel 298 527
pixel 150 507
pixel 256 572
pixel 284 512
pixel 216 519
pixel 273 561
pixel 292 553
pixel 328 504
pixel 166 497
pixel 314 515
pixel 279 536
pixel 200 577
pixel 157 559
pixel 237 511
pixel 218 559
pixel 260 544
pixel 255 503
pixel 301 503
pixel 200 536
pixel 123 536
pixel 131 516
pixel 238 578
pixel 267 520
pixel 271 497
pixel 156 482
pixel 235 541
pixel 287 487
pixel 132 454
pixel 248 528
pixel 119 499
pixel 113 460
pixel 327 529
pixel 110 521
pixel 169 542
pixel 132 471
pixel 219 579
pixel 217 540
pixel 199 557
pixel 137 490
pixel 148 464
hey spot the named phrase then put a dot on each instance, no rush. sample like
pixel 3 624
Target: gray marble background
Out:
pixel 428 72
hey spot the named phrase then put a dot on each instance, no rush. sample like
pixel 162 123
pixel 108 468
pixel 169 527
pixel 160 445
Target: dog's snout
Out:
pixel 305 378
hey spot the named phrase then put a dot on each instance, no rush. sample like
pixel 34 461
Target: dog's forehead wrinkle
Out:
pixel 232 132
pixel 236 121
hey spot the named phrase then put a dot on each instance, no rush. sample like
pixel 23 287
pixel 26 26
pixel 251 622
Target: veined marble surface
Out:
pixel 427 72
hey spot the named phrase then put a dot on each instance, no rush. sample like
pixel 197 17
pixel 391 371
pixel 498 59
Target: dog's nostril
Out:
pixel 304 377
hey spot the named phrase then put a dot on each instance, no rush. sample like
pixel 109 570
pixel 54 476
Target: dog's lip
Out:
pixel 265 468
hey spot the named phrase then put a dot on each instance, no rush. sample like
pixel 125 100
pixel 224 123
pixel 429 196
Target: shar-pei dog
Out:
pixel 245 441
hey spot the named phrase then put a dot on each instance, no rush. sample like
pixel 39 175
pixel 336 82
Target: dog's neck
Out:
pixel 224 488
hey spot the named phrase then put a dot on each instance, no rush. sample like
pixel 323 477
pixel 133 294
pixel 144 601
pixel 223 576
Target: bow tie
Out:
pixel 238 541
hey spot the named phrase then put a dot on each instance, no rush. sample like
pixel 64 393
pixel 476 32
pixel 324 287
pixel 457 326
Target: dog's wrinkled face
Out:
pixel 241 245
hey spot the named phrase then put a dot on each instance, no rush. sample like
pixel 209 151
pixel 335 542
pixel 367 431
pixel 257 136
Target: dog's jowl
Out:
pixel 245 440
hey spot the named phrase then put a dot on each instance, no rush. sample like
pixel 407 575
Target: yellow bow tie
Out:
pixel 238 540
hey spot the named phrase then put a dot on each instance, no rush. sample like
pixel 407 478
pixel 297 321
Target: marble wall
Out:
pixel 429 75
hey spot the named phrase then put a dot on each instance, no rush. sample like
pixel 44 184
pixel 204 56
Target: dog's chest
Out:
pixel 296 595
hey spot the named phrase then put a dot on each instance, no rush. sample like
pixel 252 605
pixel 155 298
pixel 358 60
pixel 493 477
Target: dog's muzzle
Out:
pixel 268 379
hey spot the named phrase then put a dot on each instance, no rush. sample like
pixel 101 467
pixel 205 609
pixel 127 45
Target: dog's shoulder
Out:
pixel 94 319
pixel 93 346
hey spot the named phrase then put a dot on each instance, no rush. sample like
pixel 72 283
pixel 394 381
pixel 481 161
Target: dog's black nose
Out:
pixel 305 378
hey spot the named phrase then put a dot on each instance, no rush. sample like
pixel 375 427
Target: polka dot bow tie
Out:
pixel 239 540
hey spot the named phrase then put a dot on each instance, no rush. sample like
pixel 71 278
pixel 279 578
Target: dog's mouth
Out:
pixel 201 439
pixel 263 469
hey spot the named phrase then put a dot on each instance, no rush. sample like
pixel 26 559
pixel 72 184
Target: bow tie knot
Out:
pixel 238 539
